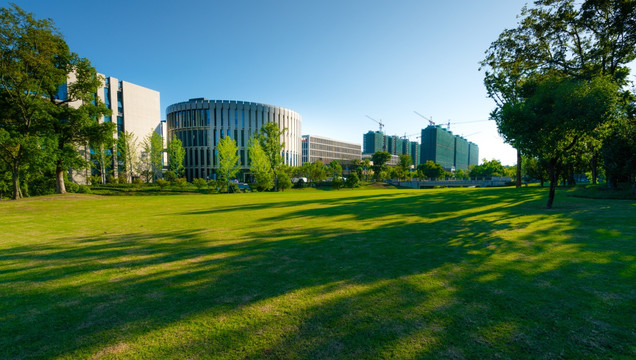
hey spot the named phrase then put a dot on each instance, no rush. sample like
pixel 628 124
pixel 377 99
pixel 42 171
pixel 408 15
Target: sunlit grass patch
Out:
pixel 378 273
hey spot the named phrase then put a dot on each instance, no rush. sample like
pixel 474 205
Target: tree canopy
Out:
pixel 557 77
pixel 47 95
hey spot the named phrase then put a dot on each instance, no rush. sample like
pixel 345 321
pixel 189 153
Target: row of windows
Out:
pixel 203 117
pixel 200 137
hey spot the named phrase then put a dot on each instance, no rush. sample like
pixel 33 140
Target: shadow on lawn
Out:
pixel 448 280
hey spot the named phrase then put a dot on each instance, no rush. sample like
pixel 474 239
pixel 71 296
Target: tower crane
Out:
pixel 430 121
pixel 379 122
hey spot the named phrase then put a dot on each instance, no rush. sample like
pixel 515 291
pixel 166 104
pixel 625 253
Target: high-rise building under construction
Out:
pixel 450 151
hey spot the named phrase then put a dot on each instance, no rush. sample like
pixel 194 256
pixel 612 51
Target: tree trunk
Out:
pixel 518 168
pixel 553 182
pixel 60 188
pixel 594 165
pixel 16 192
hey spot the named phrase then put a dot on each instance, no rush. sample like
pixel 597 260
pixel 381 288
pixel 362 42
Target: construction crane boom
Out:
pixel 379 122
pixel 430 121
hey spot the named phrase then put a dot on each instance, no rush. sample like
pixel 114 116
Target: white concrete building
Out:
pixel 135 109
pixel 326 150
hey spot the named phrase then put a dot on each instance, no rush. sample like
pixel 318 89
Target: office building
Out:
pixel 135 109
pixel 316 148
pixel 201 123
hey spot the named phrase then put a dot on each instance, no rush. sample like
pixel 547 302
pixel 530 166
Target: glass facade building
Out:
pixel 450 151
pixel 201 123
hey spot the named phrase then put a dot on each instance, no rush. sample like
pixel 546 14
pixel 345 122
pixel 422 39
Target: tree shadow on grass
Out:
pixel 470 277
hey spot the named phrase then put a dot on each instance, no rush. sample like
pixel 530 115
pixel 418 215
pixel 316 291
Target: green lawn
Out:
pixel 449 273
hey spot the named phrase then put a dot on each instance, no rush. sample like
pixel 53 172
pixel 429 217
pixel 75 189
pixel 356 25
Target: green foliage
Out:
pixel 162 183
pixel 35 124
pixel 199 183
pixel 380 159
pixel 176 157
pixel 170 175
pixel 353 181
pixel 260 166
pixel 127 154
pixel 283 181
pixel 335 169
pixel 152 147
pixel 317 172
pixel 431 170
pixel 337 182
pixel 181 182
pixel 487 169
pixel 272 146
pixel 228 159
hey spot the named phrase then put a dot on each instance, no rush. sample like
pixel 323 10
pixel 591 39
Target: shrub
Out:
pixel 199 183
pixel 83 189
pixel 181 182
pixel 162 183
pixel 71 186
pixel 170 176
pixel 95 180
pixel 353 180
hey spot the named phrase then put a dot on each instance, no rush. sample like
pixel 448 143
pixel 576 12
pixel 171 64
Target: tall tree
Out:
pixel 270 140
pixel 563 40
pixel 176 156
pixel 556 112
pixel 260 166
pixel 127 153
pixel 35 64
pixel 152 148
pixel 228 159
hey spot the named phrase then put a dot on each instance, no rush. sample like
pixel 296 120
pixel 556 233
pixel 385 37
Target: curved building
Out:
pixel 200 124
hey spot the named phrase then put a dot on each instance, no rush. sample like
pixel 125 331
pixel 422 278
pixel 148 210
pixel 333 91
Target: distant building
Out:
pixel 415 152
pixel 135 109
pixel 373 141
pixel 316 148
pixel 450 151
pixel 473 154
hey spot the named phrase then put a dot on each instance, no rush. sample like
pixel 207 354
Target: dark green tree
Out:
pixel 431 170
pixel 380 159
pixel 37 103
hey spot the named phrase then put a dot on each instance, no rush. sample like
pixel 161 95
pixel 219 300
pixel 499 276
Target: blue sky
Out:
pixel 331 61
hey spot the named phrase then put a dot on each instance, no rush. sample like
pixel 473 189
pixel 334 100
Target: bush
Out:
pixel 95 180
pixel 353 180
pixel 162 183
pixel 181 182
pixel 137 182
pixel 300 184
pixel 170 176
pixel 71 187
pixel 83 189
pixel 337 182
pixel 199 183
pixel 283 181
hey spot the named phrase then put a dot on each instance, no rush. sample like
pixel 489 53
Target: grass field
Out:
pixel 458 273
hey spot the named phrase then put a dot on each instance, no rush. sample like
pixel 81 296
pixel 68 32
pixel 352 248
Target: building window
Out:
pixel 120 124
